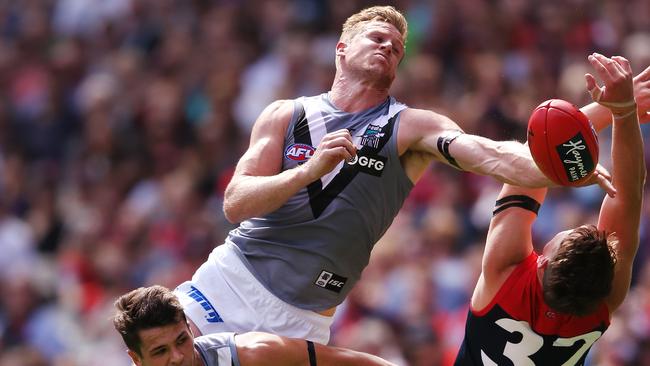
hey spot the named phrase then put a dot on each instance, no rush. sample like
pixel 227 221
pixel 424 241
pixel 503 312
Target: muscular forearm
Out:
pixel 628 171
pixel 334 356
pixel 256 348
pixel 254 196
pixel 507 161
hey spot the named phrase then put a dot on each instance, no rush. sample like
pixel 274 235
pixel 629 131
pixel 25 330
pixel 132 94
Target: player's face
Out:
pixel 170 345
pixel 376 52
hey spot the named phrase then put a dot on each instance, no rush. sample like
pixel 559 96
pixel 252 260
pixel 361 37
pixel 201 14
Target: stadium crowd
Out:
pixel 121 122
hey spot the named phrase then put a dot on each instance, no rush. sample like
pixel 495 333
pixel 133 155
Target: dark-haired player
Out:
pixel 155 330
pixel 549 308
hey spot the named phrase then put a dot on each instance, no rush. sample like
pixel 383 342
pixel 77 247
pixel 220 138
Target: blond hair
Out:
pixel 387 14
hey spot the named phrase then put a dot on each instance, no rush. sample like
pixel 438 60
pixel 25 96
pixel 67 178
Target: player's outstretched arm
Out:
pixel 428 133
pixel 264 349
pixel 257 186
pixel 621 214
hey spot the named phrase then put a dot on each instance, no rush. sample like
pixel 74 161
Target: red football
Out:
pixel 563 142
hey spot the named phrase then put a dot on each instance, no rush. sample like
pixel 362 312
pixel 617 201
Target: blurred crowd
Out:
pixel 121 122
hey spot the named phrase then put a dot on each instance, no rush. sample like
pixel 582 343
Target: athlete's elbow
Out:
pixel 230 211
pixel 234 216
pixel 228 214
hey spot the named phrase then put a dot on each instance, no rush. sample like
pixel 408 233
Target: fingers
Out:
pixel 600 170
pixel 624 63
pixel 339 138
pixel 604 180
pixel 592 87
pixel 340 141
pixel 605 184
pixel 334 147
pixel 642 94
pixel 644 75
pixel 617 93
pixel 600 62
pixel 610 68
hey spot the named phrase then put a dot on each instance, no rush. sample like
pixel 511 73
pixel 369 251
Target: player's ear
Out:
pixel 134 357
pixel 542 261
pixel 341 47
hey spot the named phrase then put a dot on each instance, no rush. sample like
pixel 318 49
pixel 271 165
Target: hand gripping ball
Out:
pixel 563 142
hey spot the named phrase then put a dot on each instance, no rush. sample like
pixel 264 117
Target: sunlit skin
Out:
pixel 549 251
pixel 372 55
pixel 170 345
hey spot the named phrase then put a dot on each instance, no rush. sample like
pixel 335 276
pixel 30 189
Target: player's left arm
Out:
pixel 264 349
pixel 509 162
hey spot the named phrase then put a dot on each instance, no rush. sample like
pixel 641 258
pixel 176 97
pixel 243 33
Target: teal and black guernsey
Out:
pixel 312 250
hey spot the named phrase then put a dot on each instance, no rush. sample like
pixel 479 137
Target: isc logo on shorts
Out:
pixel 299 152
pixel 330 281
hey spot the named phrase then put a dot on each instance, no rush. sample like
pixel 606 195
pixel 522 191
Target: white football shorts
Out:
pixel 223 296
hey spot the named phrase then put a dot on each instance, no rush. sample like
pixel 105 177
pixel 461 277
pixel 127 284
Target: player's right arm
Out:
pixel 264 349
pixel 621 215
pixel 258 186
pixel 509 241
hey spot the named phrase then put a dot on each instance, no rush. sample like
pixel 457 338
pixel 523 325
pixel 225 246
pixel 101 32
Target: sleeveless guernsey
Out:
pixel 311 251
pixel 518 328
pixel 217 349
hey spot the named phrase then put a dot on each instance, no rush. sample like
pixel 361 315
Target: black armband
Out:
pixel 443 147
pixel 312 353
pixel 516 200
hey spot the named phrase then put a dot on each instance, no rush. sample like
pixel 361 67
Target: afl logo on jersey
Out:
pixel 299 152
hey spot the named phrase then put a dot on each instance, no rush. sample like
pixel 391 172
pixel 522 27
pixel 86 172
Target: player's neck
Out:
pixel 353 96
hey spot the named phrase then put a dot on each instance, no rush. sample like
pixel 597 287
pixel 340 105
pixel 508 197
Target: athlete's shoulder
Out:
pixel 278 113
pixel 420 123
pixel 279 107
pixel 426 116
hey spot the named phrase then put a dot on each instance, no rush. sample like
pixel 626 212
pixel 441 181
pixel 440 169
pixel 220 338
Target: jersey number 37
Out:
pixel 532 342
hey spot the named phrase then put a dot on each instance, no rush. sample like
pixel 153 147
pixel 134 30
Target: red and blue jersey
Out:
pixel 518 328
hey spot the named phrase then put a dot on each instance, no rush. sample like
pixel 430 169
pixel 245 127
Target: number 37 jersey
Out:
pixel 518 328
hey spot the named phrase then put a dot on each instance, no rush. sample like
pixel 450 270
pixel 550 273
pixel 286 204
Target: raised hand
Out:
pixel 617 94
pixel 333 148
pixel 642 95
